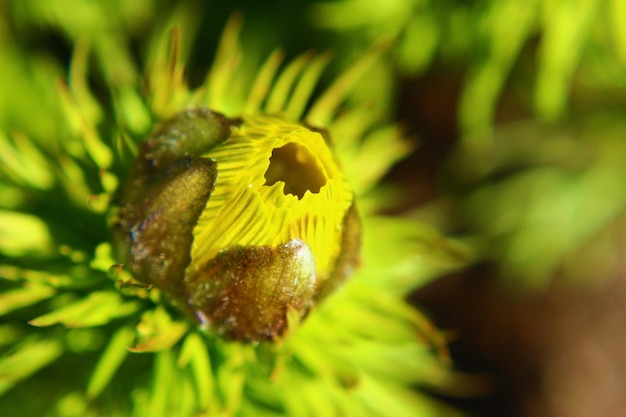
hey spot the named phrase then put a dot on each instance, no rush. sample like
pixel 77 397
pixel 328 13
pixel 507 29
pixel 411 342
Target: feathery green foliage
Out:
pixel 82 337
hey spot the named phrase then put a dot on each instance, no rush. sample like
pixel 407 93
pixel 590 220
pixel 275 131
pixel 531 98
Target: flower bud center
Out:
pixel 294 165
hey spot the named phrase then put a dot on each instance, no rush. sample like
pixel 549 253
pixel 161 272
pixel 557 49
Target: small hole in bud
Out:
pixel 297 168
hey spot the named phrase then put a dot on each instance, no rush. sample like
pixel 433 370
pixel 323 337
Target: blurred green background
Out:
pixel 519 107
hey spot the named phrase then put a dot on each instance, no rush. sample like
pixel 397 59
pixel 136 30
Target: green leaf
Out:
pixel 24 297
pixel 97 309
pixel 383 398
pixel 172 392
pixel 110 361
pixel 23 162
pixel 195 354
pixel 26 360
pixel 22 234
pixel 157 332
pixel 75 277
pixel 231 374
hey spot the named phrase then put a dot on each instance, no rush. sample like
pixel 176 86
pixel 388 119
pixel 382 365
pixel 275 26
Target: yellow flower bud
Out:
pixel 238 221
